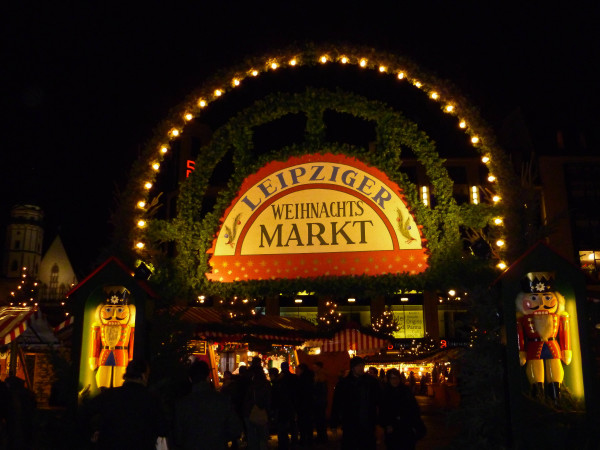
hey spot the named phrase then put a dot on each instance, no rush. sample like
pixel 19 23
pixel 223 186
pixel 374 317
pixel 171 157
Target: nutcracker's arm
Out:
pixel 564 338
pixel 521 340
pixel 95 347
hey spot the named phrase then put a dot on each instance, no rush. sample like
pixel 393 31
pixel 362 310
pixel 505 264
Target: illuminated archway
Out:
pixel 148 166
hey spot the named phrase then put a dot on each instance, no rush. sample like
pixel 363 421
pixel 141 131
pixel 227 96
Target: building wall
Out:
pixel 24 238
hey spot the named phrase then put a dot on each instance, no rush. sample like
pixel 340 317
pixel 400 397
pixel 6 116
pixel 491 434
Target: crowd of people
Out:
pixel 253 405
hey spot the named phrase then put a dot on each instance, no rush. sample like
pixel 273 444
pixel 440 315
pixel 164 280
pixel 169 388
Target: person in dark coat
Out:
pixel 284 403
pixel 129 416
pixel 320 402
pixel 204 419
pixel 305 402
pixel 259 394
pixel 355 405
pixel 399 415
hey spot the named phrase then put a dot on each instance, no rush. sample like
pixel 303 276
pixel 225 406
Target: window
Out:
pixel 53 287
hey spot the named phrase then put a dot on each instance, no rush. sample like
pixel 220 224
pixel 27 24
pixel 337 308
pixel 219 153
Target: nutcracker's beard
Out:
pixel 112 333
pixel 544 325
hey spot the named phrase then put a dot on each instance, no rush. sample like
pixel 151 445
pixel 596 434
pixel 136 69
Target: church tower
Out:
pixel 24 238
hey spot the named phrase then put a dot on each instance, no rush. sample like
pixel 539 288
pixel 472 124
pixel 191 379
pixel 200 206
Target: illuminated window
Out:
pixel 590 263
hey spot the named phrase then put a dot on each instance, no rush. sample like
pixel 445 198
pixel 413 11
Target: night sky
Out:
pixel 83 86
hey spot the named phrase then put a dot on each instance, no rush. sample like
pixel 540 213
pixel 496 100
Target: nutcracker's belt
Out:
pixel 542 340
pixel 118 347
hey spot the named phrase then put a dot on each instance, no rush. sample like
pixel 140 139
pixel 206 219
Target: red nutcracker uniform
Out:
pixel 543 333
pixel 112 340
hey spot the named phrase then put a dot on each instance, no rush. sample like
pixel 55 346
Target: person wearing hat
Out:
pixel 543 332
pixel 355 406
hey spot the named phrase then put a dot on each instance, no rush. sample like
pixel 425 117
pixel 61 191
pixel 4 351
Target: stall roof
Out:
pixel 211 324
pixel 350 339
pixel 15 320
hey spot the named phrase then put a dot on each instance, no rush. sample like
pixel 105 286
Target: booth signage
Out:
pixel 319 214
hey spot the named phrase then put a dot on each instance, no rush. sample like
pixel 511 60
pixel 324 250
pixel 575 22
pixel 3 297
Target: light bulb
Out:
pixel 496 198
pixel 363 63
pixel 255 72
pixel 474 139
pixel 323 59
pixel 462 124
pixel 400 75
pixel 500 243
pixel 218 92
pixel 148 185
pixel 293 62
pixel 274 65
pixel 140 245
pixel 156 166
pixel 435 95
pixel 418 84
pixel 491 178
pixel 141 204
pixel 188 117
pixel 141 223
pixel 382 69
pixel 498 221
pixel 174 132
pixel 236 82
pixel 201 103
pixel 344 60
pixel 501 265
pixel 164 149
pixel 485 159
pixel 449 108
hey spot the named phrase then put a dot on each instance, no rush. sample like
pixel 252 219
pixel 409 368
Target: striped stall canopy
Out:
pixel 348 339
pixel 14 320
pixel 64 324
pixel 211 325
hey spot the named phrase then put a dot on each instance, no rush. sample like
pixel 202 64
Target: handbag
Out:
pixel 258 416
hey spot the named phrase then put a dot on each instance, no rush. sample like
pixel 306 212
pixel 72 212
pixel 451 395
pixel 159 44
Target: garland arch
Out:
pixel 137 209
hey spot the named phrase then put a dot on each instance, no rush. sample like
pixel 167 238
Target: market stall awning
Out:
pixel 350 339
pixel 211 323
pixel 14 320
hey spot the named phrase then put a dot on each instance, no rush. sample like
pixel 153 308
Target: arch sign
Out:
pixel 317 215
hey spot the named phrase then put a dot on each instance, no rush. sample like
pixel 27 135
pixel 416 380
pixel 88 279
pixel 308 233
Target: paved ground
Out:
pixel 438 433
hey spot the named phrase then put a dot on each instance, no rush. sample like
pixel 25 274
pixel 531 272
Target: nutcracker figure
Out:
pixel 543 333
pixel 112 337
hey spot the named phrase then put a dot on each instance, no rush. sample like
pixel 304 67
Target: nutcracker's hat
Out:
pixel 538 282
pixel 116 295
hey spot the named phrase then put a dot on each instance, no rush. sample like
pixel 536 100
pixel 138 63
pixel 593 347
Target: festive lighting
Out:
pixel 425 195
pixel 140 245
pixel 451 292
pixel 274 66
pixel 418 84
pixel 174 132
pixel 474 140
pixel 475 195
pixel 164 149
pixel 382 69
pixel 254 73
pixel 218 92
pixel 141 204
pixel 485 159
pixel 188 117
pixel 435 95
pixel 363 63
pixel 400 75
pixel 148 185
pixel 344 60
pixel 156 166
pixel 201 103
pixel 323 59
pixel 462 124
pixel 500 243
pixel 141 223
pixel 293 62
pixel 236 82
pixel 501 265
pixel 449 108
pixel 496 198
pixel 498 221
pixel 491 178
